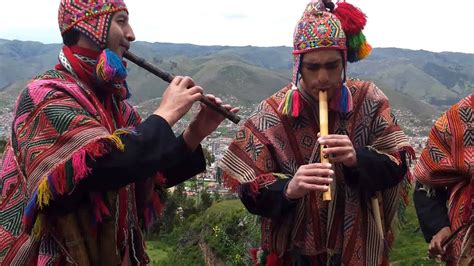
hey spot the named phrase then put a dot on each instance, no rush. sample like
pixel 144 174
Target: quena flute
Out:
pixel 324 130
pixel 168 77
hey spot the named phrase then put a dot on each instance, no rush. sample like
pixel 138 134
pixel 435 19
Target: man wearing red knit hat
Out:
pixel 273 161
pixel 82 173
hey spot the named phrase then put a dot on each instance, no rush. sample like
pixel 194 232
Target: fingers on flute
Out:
pixel 196 90
pixel 313 187
pixel 186 81
pixel 176 80
pixel 231 109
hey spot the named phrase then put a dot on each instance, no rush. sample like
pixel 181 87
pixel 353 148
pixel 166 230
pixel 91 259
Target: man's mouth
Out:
pixel 126 47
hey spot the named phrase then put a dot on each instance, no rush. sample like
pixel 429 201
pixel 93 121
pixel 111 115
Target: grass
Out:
pixel 158 251
pixel 409 248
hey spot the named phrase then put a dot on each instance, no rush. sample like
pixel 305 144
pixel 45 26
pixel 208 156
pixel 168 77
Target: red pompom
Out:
pixel 352 19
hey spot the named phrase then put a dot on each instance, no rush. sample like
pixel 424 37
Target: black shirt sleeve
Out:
pixel 270 202
pixel 431 210
pixel 153 147
pixel 375 170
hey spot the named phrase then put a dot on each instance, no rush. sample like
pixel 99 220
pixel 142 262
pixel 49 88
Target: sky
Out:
pixel 432 25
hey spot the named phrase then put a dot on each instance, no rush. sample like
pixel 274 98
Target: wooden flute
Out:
pixel 324 131
pixel 168 77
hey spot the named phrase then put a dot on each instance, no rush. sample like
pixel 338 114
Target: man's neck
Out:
pixel 86 43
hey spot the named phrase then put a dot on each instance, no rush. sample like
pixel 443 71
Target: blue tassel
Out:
pixel 344 99
pixel 110 67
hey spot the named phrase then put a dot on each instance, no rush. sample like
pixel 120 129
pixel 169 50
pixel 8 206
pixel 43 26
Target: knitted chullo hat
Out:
pixel 323 27
pixel 90 17
pixel 93 19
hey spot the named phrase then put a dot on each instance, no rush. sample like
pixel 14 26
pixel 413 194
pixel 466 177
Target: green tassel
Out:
pixel 263 258
pixel 354 42
pixel 288 102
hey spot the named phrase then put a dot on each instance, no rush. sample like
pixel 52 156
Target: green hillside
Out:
pixel 225 232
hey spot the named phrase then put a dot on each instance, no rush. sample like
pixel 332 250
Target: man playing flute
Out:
pixel 82 172
pixel 444 192
pixel 273 161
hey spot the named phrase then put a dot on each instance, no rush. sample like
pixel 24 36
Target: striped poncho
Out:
pixel 271 146
pixel 448 161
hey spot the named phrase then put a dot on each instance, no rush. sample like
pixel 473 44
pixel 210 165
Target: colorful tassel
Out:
pixel 343 101
pixel 291 105
pixel 53 186
pixel 358 48
pixel 110 67
pixel 97 149
pixel 295 109
pixel 31 212
pixel 263 258
pixel 58 179
pixel 364 51
pixel 352 19
pixel 354 42
pixel 44 194
pixel 80 166
pixel 117 141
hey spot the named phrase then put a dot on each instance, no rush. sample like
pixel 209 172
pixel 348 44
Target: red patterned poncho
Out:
pixel 448 161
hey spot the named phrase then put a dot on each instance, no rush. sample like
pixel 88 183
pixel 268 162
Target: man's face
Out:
pixel 321 70
pixel 120 34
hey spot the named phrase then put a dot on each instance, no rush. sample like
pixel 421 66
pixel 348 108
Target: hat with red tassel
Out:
pixel 324 27
pixel 353 22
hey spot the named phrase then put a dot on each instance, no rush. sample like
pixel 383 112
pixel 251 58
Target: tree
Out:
pixel 206 199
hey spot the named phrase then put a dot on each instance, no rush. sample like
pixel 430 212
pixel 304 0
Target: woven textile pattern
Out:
pixel 271 145
pixel 448 161
pixel 91 17
pixel 55 121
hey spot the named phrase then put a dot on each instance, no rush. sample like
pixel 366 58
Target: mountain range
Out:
pixel 422 82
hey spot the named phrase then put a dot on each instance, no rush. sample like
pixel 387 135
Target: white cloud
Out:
pixel 430 25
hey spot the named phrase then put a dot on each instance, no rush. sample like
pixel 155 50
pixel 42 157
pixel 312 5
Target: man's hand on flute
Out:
pixel 309 177
pixel 339 148
pixel 205 122
pixel 178 98
pixel 435 247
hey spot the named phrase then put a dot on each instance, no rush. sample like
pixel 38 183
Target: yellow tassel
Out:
pixel 364 51
pixel 286 105
pixel 44 194
pixel 38 226
pixel 116 139
pixel 119 132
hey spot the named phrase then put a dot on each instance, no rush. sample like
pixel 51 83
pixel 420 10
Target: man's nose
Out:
pixel 130 35
pixel 323 76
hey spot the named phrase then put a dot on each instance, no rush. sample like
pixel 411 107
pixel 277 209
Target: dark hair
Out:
pixel 71 37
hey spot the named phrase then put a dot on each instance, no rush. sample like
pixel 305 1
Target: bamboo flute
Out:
pixel 324 131
pixel 168 77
